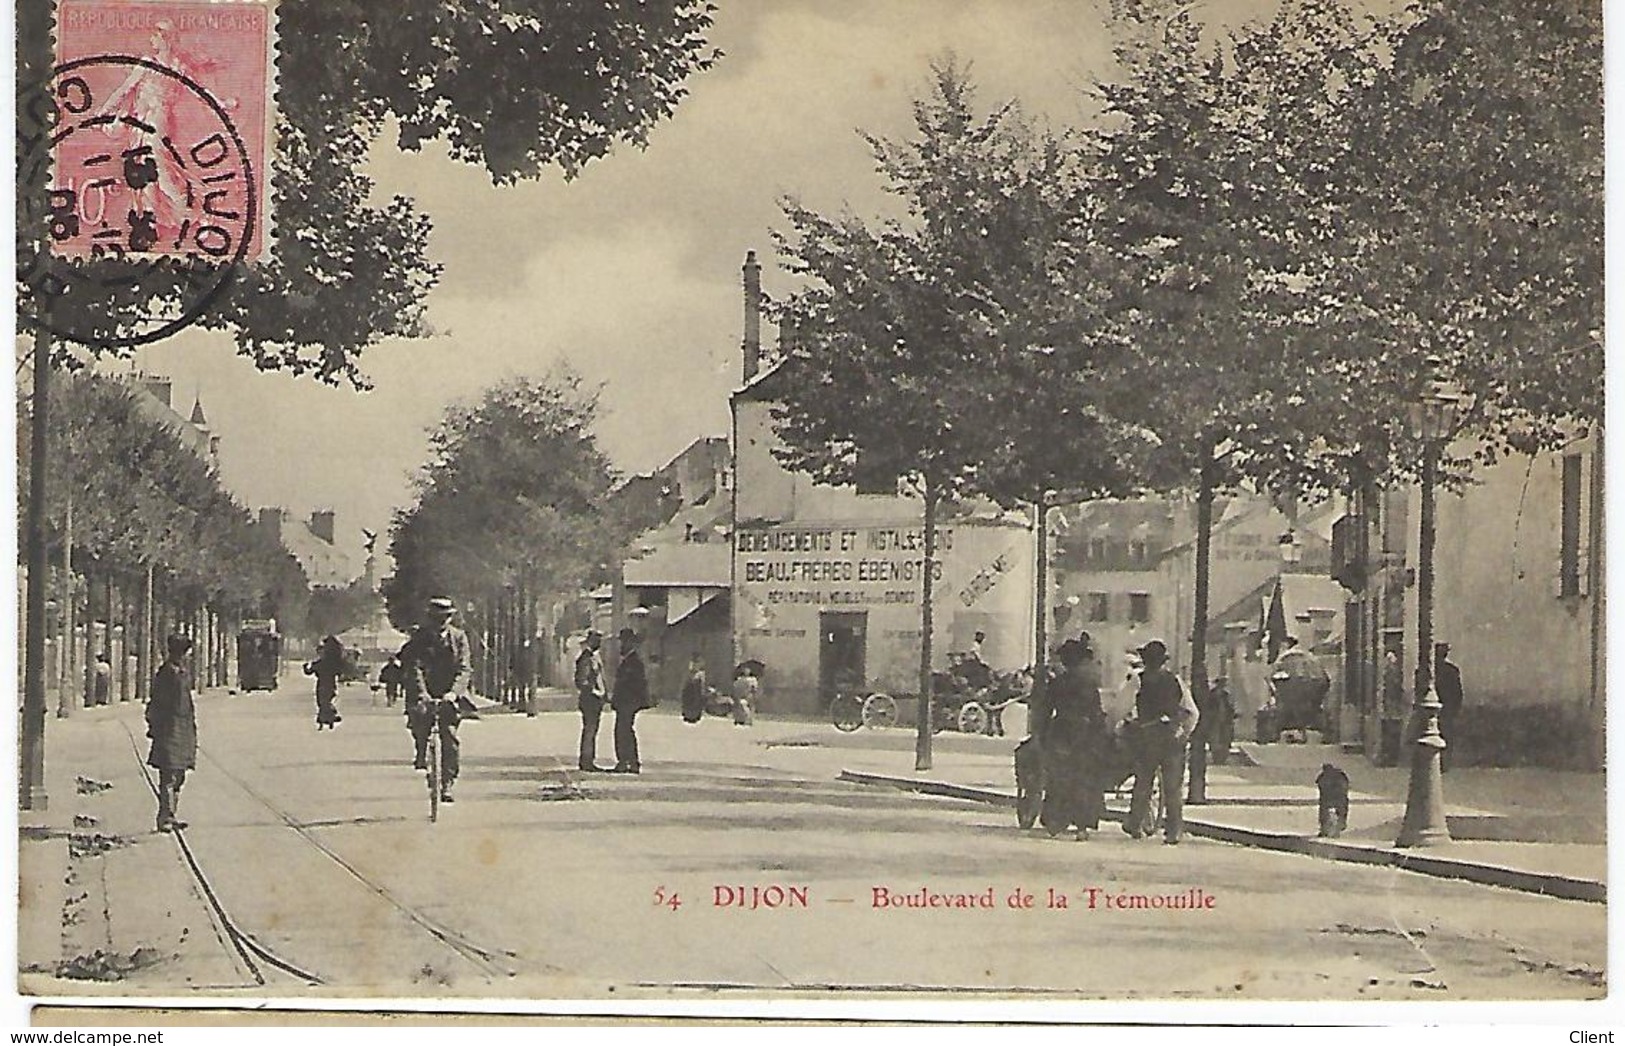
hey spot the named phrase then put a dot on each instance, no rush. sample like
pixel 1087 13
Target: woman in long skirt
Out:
pixel 327 668
pixel 1072 735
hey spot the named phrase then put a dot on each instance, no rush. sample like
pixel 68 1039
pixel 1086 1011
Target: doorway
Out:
pixel 842 641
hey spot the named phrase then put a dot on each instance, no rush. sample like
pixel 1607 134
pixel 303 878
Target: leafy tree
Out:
pixel 515 86
pixel 1476 231
pixel 917 337
pixel 140 501
pixel 512 495
pixel 335 610
pixel 1219 163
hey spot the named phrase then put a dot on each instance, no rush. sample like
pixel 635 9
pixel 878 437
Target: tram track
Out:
pixel 249 950
pixel 489 961
pixel 262 962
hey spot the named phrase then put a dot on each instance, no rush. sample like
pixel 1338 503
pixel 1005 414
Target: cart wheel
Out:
pixel 846 712
pixel 1028 801
pixel 973 718
pixel 879 711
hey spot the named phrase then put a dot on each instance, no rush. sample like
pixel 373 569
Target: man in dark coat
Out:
pixel 1164 718
pixel 391 677
pixel 590 694
pixel 172 726
pixel 436 662
pixel 1447 685
pixel 631 696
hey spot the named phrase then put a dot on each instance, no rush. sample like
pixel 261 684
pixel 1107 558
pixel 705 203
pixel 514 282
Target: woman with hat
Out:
pixel 327 667
pixel 1072 734
pixel 172 726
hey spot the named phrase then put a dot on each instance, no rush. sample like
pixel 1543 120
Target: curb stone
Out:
pixel 1544 883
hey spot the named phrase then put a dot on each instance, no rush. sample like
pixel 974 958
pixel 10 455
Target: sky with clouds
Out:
pixel 631 272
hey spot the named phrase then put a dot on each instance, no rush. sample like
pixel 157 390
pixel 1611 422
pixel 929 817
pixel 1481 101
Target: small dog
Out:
pixel 1334 800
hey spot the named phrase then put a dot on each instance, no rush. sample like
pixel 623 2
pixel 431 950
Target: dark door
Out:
pixel 842 639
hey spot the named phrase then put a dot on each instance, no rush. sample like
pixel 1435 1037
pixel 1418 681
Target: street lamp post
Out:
pixel 1433 417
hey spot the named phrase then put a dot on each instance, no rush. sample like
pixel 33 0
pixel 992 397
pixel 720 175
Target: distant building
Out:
pixel 311 542
pixel 826 580
pixel 673 586
pixel 1106 577
pixel 154 397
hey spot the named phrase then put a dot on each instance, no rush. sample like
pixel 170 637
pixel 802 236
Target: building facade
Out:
pixel 1518 596
pixel 827 581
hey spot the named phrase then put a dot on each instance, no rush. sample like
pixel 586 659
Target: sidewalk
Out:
pixel 1526 829
pixel 104 897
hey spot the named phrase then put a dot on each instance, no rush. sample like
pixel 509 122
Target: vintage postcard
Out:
pixel 790 503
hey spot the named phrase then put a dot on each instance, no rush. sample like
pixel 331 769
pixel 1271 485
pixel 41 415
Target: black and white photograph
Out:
pixel 1056 503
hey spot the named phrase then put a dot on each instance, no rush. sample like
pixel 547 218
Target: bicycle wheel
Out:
pixel 433 773
pixel 879 710
pixel 846 712
pixel 973 718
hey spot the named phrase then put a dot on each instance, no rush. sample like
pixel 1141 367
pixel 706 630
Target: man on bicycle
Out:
pixel 435 661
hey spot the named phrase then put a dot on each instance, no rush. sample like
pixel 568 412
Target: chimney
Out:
pixel 787 335
pixel 321 524
pixel 271 520
pixel 753 316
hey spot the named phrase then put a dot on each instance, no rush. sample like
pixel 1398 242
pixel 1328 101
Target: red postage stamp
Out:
pixel 165 150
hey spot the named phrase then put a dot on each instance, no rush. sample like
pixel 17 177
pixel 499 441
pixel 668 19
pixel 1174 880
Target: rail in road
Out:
pixel 262 962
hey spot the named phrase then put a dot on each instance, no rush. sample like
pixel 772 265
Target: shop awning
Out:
pixel 681 602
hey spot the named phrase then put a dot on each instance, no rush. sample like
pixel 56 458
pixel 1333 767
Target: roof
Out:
pixel 325 565
pixel 682 565
pixel 1306 593
pixel 766 385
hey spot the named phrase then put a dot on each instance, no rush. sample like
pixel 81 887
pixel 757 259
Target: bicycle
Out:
pixel 432 774
pixel 432 758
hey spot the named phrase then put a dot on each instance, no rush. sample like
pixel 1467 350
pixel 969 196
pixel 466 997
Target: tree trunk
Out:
pixel 65 674
pixel 922 738
pixel 87 675
pixel 1041 628
pixel 127 634
pixel 1196 792
pixel 530 648
pixel 31 738
pixel 143 664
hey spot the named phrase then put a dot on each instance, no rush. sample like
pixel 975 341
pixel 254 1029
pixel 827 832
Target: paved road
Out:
pixel 541 881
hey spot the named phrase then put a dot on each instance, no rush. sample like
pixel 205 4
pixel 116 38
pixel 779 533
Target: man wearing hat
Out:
pixel 1447 687
pixel 172 726
pixel 1165 717
pixel 631 697
pixel 590 694
pixel 435 663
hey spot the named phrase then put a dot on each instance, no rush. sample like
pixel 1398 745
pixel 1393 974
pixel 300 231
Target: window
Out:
pixel 1136 551
pixel 1572 545
pixel 1100 606
pixel 1097 548
pixel 1139 607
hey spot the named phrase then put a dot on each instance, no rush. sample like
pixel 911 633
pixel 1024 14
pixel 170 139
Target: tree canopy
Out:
pixel 514 86
pixel 141 497
pixel 514 490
